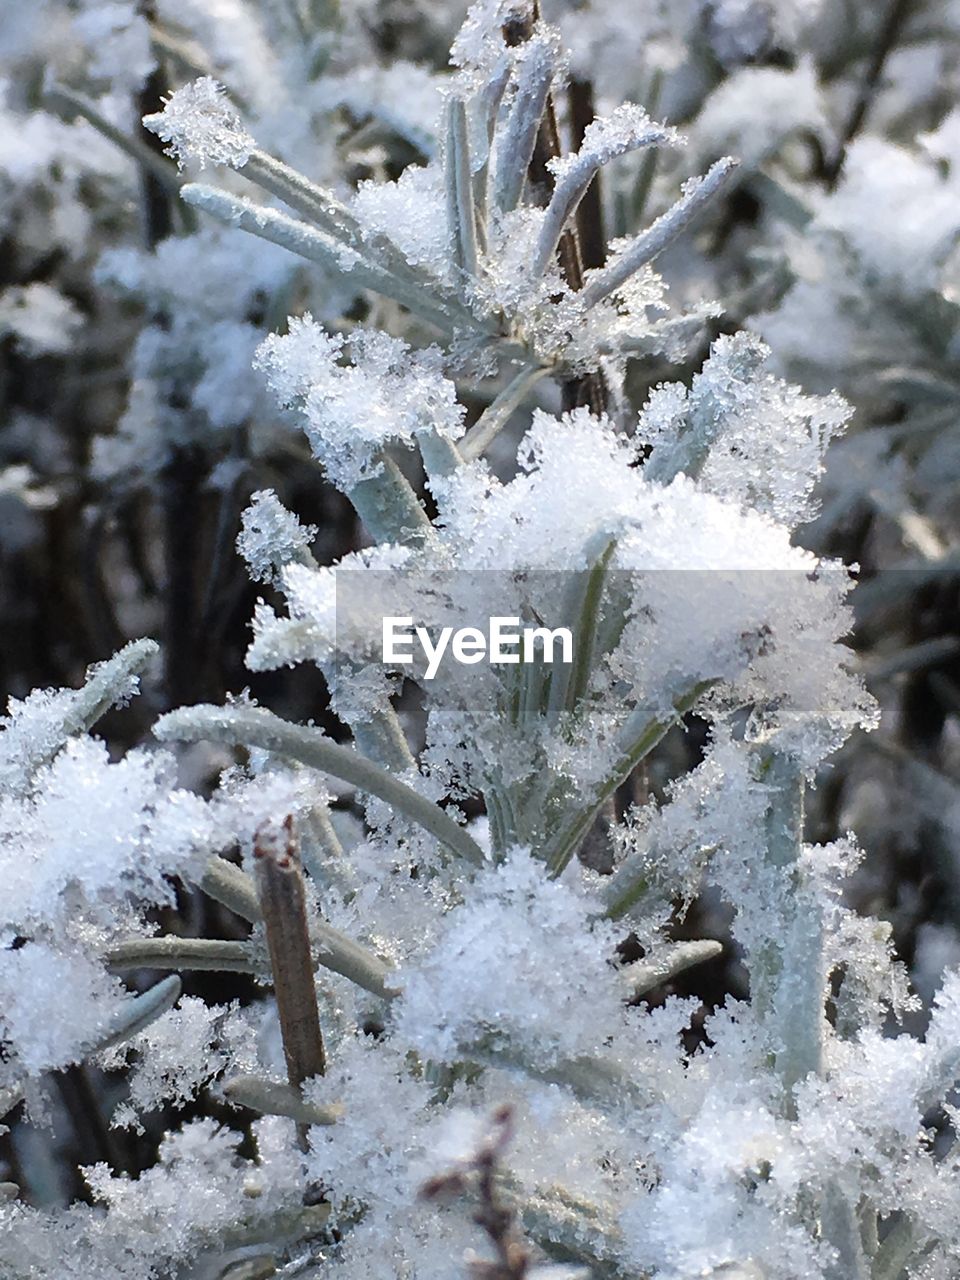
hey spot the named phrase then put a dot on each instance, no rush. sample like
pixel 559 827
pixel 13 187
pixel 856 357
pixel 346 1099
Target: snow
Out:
pixel 652 1134
pixel 387 393
pixel 198 123
pixel 42 320
pixel 519 966
pixel 270 536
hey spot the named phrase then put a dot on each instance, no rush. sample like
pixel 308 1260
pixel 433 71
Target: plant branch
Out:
pixel 255 726
pixel 652 242
pixel 279 882
pixel 636 745
pixel 890 31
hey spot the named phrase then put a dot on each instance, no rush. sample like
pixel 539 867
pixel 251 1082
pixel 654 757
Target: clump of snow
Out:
pixel 411 214
pixel 271 536
pixel 198 123
pixel 517 964
pixel 896 211
pixel 753 111
pixel 85 835
pixel 41 319
pixel 388 392
pixel 719 432
pixel 55 1002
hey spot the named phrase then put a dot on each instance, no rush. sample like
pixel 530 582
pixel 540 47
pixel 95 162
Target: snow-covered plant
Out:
pixel 473 894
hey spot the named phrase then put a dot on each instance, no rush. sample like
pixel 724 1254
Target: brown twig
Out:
pixel 590 231
pixel 157 209
pixel 897 15
pixel 589 390
pixel 512 1257
pixel 283 903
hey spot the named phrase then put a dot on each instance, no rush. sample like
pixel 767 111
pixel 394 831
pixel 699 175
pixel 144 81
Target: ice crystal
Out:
pixel 271 536
pixel 510 969
pixel 350 411
pixel 176 1056
pixel 198 123
pixel 625 129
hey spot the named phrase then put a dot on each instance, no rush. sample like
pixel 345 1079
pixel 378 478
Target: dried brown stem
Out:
pixel 590 232
pixel 283 903
pixel 479 1173
pixel 589 390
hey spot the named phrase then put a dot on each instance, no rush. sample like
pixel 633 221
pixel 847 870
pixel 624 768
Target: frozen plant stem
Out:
pixel 463 228
pixel 787 979
pixel 569 683
pixel 255 726
pixel 481 1175
pixel 497 414
pixel 652 242
pixel 388 506
pixel 519 29
pixel 107 684
pixel 573 187
pixel 590 222
pixel 138 1013
pixel 231 887
pixel 282 901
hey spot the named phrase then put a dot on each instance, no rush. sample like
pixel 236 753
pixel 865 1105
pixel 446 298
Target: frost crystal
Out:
pixel 410 212
pixel 510 968
pixel 719 432
pixel 386 393
pixel 625 129
pixel 198 123
pixel 271 536
pixel 56 1002
pixel 177 1055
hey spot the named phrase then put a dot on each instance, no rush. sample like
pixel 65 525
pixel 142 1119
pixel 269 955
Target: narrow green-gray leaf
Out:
pixel 181 953
pixel 638 739
pixel 643 976
pixel 273 1098
pixel 137 1014
pixel 495 417
pixel 227 884
pixel 652 242
pixel 257 727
